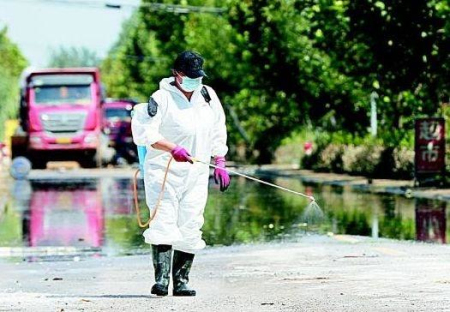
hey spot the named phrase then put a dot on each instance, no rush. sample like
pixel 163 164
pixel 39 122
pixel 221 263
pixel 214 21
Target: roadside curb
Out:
pixel 379 186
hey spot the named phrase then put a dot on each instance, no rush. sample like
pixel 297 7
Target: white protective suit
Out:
pixel 197 126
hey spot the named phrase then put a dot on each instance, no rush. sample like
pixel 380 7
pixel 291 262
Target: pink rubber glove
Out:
pixel 181 155
pixel 221 176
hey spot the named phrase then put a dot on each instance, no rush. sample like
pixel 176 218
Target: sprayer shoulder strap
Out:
pixel 204 92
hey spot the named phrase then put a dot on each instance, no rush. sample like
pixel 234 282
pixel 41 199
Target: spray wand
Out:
pixel 311 198
pixel 313 208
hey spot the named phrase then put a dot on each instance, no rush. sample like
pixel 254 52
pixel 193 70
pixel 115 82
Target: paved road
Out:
pixel 316 273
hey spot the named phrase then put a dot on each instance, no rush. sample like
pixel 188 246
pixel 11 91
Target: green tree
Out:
pixel 260 58
pixel 281 65
pixel 409 55
pixel 73 57
pixel 12 64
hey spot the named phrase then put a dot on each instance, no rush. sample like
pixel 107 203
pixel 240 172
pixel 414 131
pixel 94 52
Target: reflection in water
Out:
pixel 99 213
pixel 65 214
pixel 430 221
pixel 122 233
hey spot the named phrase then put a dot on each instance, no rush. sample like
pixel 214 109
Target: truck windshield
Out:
pixel 51 95
pixel 117 113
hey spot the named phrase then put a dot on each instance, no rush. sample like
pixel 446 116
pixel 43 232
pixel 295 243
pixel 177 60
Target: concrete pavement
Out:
pixel 314 273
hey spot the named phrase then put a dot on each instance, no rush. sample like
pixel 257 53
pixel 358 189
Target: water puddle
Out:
pixel 71 219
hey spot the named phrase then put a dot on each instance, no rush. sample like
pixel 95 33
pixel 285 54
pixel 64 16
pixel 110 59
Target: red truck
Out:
pixel 117 126
pixel 60 117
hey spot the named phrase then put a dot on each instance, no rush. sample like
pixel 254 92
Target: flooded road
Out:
pixel 93 217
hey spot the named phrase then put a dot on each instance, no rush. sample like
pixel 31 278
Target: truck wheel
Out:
pixel 88 160
pixel 17 151
pixel 19 144
pixel 38 163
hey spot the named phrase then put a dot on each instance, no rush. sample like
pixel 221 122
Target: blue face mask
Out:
pixel 190 84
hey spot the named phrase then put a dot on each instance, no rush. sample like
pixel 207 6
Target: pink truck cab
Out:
pixel 60 116
pixel 117 126
pixel 117 119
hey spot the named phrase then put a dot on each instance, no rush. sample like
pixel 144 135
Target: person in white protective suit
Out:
pixel 183 118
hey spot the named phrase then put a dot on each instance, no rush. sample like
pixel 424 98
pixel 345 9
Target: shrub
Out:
pixel 330 159
pixel 362 159
pixel 341 152
pixel 403 162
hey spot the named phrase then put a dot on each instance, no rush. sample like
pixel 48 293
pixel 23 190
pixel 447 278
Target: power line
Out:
pixel 115 56
pixel 59 2
pixel 170 8
pixel 138 58
pixel 176 8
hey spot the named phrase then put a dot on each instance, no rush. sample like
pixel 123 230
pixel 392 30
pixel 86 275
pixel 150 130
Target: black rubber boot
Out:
pixel 182 263
pixel 162 255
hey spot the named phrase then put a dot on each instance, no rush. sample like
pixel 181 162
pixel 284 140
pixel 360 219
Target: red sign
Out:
pixel 430 145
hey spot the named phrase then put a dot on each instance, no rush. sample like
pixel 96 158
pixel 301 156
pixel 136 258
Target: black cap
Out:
pixel 189 63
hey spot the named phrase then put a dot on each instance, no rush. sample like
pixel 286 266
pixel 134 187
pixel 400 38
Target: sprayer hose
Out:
pixel 161 193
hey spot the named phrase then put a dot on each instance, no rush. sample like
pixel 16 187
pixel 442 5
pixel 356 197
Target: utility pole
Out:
pixel 373 113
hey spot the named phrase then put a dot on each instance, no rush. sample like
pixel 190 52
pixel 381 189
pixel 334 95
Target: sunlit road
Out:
pixel 317 273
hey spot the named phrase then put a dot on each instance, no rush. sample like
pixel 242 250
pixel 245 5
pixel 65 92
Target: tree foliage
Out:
pixel 282 65
pixel 73 57
pixel 12 63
